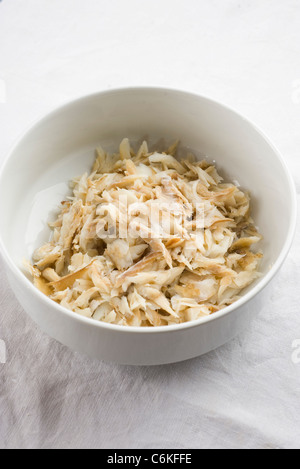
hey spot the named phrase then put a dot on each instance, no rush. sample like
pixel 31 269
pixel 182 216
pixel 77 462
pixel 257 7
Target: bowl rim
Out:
pixel 261 284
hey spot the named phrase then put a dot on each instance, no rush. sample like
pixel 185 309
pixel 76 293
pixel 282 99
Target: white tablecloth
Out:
pixel 244 53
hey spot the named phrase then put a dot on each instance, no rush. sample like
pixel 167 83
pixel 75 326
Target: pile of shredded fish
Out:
pixel 160 273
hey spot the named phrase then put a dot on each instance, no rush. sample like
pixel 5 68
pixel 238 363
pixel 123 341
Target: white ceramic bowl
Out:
pixel 34 179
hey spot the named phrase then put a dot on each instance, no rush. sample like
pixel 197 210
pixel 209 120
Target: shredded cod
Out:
pixel 148 240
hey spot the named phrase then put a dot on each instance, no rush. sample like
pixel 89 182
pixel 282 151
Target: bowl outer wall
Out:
pixel 132 348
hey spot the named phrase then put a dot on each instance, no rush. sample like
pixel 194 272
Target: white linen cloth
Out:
pixel 244 53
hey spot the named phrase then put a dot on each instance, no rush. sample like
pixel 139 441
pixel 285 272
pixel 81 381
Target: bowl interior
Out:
pixel 61 146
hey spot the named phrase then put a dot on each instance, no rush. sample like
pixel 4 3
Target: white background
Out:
pixel 244 53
